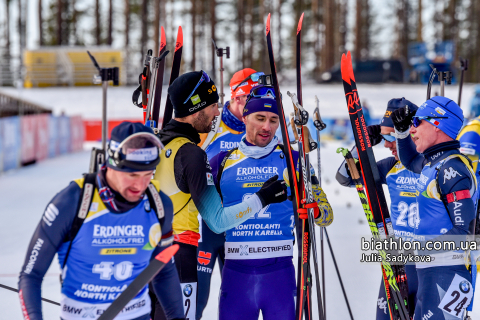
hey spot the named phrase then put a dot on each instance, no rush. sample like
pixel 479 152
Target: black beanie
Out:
pixel 205 94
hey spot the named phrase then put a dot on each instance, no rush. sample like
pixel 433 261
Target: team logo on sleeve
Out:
pixel 450 174
pixel 168 153
pixel 210 179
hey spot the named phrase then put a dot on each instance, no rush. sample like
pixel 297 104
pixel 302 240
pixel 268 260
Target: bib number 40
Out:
pixel 120 271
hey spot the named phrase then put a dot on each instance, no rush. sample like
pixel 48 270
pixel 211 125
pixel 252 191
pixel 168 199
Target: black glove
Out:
pixel 273 191
pixel 374 134
pixel 402 118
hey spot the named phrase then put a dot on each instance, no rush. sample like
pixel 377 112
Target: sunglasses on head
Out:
pixel 261 92
pixel 205 78
pixel 418 120
pixel 254 76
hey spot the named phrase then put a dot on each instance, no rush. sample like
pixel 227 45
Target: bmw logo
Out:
pixel 281 155
pixel 464 286
pixel 147 206
pixel 187 290
pixel 168 153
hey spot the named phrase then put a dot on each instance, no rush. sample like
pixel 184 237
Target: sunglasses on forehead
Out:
pixel 254 76
pixel 261 92
pixel 205 78
pixel 416 121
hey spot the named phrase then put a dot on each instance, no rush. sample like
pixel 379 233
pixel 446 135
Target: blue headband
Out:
pixel 259 104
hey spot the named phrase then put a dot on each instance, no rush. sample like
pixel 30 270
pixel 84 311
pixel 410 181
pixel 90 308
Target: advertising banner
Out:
pixel 27 128
pixel 53 148
pixel 63 134
pixel 76 133
pixel 11 142
pixel 41 136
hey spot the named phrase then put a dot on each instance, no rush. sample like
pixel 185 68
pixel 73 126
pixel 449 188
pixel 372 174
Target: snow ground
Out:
pixel 41 181
pixel 87 101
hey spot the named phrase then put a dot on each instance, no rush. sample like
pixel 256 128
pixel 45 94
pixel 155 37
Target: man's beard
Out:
pixel 202 123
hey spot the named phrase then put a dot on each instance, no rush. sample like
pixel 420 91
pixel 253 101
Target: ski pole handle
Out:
pixel 294 126
pixel 350 163
pixel 317 120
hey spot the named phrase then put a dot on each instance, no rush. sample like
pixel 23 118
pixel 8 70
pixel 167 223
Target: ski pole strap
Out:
pixel 303 212
pixel 458 195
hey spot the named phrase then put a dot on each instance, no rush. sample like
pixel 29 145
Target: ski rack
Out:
pixel 104 76
pixel 443 76
pixel 220 52
pixel 154 66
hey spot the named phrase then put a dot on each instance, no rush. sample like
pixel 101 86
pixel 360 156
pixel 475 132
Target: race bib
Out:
pixel 458 297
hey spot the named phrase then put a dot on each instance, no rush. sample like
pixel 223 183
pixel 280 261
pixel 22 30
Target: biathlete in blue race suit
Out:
pixel 227 130
pixel 446 197
pixel 258 274
pixel 118 238
pixel 401 185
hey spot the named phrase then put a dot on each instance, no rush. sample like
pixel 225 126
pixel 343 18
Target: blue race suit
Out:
pixel 114 244
pixel 401 185
pixel 446 193
pixel 259 251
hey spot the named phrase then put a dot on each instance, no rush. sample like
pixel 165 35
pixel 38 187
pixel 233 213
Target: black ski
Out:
pixel 177 59
pixel 157 98
pixel 140 282
pixel 306 227
pixel 396 283
pixel 289 159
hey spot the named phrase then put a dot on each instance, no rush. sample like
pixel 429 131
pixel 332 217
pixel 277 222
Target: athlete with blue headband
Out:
pixel 258 270
pixel 446 195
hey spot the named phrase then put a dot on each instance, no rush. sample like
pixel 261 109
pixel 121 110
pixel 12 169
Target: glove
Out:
pixel 402 118
pixel 374 134
pixel 273 191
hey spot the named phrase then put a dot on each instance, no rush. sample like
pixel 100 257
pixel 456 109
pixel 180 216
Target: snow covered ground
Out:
pixel 25 193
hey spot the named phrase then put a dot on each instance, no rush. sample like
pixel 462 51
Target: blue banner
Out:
pixel 11 142
pixel 52 136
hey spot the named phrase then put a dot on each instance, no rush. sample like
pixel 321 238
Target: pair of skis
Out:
pixel 151 82
pixel 304 204
pixel 372 196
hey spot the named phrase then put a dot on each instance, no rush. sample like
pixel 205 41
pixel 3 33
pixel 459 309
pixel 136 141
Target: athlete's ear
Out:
pixel 244 119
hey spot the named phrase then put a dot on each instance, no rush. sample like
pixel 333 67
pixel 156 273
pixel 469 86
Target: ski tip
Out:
pixel 267 29
pixel 163 39
pixel 350 66
pixel 345 69
pixel 300 21
pixel 179 43
pixel 167 254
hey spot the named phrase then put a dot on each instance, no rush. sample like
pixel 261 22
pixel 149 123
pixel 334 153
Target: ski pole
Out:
pixel 320 125
pixel 16 290
pixel 464 67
